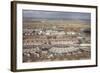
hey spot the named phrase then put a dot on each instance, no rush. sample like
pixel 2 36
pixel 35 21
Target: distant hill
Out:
pixel 57 23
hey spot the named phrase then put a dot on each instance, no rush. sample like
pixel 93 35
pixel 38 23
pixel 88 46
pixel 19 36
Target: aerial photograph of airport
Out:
pixel 56 36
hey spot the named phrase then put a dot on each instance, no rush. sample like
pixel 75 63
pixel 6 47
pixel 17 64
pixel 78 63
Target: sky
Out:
pixel 37 14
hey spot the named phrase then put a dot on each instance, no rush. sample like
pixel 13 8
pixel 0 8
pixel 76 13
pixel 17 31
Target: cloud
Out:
pixel 36 14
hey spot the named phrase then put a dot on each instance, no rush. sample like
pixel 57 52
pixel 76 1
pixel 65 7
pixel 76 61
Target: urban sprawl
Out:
pixel 56 40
